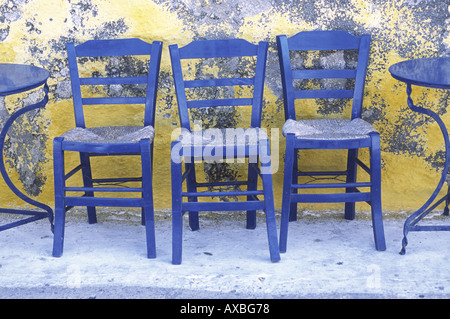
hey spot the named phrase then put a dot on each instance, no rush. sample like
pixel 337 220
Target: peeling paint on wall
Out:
pixel 36 31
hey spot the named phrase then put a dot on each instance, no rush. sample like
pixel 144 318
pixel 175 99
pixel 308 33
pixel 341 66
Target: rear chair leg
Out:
pixel 252 186
pixel 60 214
pixel 351 178
pixel 287 185
pixel 87 182
pixel 146 163
pixel 377 217
pixel 177 215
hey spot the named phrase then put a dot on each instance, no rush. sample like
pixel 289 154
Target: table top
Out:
pixel 16 78
pixel 428 72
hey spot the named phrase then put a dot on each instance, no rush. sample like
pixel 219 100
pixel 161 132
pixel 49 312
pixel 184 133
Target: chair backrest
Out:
pixel 93 49
pixel 323 41
pixel 228 78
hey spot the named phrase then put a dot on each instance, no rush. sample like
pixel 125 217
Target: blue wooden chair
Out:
pixel 214 144
pixel 330 133
pixel 104 141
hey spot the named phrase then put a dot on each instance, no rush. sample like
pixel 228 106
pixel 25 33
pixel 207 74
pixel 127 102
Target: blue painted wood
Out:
pixel 113 47
pixel 88 183
pixel 219 82
pixel 86 150
pixel 269 205
pixel 113 100
pixel 332 144
pixel 98 148
pixel 360 79
pixel 323 40
pixel 324 74
pixel 352 168
pixel 177 214
pixel 219 49
pixel 324 94
pixel 102 201
pixel 147 195
pixel 117 80
pixel 219 102
pixel 318 41
pixel 377 216
pixel 60 212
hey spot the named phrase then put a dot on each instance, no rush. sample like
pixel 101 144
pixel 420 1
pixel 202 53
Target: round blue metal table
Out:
pixel 432 73
pixel 17 78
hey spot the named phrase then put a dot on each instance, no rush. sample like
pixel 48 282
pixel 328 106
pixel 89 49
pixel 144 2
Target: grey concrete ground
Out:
pixel 328 257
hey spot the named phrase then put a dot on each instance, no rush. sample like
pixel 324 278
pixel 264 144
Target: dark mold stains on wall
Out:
pixel 27 141
pixel 403 29
pixel 25 144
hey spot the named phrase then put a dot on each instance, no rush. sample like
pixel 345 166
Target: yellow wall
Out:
pixel 35 31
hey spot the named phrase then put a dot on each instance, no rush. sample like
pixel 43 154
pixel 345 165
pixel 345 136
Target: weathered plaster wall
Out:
pixel 35 31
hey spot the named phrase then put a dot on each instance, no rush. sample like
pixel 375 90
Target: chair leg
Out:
pixel 293 208
pixel 58 168
pixel 191 185
pixel 58 231
pixel 377 217
pixel 252 186
pixel 269 206
pixel 287 183
pixel 177 214
pixel 147 187
pixel 87 182
pixel 351 178
pixel 151 166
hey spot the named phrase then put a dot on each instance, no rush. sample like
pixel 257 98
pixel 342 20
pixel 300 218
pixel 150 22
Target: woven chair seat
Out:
pixel 110 134
pixel 328 129
pixel 223 137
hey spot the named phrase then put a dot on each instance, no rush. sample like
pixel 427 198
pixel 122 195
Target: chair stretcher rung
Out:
pixel 103 189
pixel 113 100
pixel 115 80
pixel 117 180
pixel 322 173
pixel 72 172
pixel 214 194
pixel 103 201
pixel 362 165
pixel 222 184
pixel 331 198
pixel 222 206
pixel 331 185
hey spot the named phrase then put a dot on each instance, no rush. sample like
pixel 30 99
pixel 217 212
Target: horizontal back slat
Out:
pixel 323 94
pixel 324 74
pixel 96 48
pixel 220 102
pixel 113 100
pixel 217 48
pixel 218 82
pixel 115 80
pixel 323 40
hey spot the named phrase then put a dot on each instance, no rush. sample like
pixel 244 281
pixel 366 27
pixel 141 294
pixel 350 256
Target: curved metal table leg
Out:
pixel 411 221
pixel 35 215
